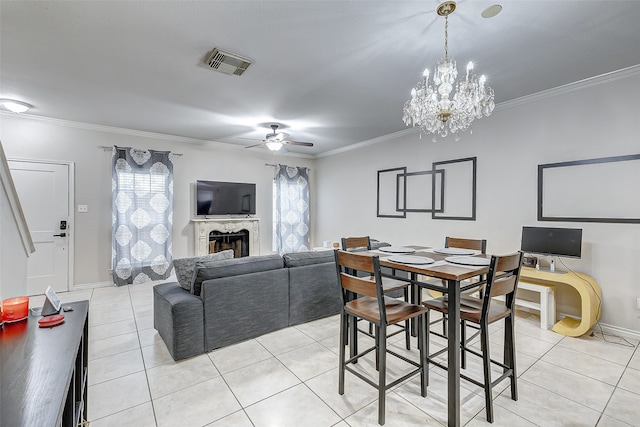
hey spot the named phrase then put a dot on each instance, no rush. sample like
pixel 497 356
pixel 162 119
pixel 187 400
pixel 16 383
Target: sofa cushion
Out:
pixel 299 259
pixel 233 267
pixel 185 266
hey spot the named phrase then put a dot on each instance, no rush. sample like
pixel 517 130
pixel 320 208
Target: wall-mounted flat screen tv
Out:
pixel 225 198
pixel 566 242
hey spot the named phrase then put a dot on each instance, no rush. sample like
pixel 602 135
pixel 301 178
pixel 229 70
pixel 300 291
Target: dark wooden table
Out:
pixel 454 275
pixel 43 371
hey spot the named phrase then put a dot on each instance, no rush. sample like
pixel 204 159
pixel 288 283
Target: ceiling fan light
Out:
pixel 274 145
pixel 15 106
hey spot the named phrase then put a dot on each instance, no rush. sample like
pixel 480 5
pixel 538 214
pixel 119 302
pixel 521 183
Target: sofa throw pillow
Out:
pixel 185 266
pixel 233 267
pixel 299 259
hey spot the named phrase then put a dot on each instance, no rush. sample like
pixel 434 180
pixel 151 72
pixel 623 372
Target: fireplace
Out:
pixel 238 242
pixel 214 235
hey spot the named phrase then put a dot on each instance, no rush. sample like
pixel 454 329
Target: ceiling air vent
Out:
pixel 227 62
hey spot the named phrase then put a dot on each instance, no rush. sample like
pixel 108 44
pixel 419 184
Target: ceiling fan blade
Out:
pixel 255 145
pixel 250 139
pixel 301 143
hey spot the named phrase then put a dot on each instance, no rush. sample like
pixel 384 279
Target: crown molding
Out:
pixel 545 94
pixel 571 87
pixel 138 133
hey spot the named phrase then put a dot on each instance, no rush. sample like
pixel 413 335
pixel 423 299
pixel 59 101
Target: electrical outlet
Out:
pixel 83 208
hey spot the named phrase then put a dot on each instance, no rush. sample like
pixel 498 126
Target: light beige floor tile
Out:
pixel 115 366
pixel 569 384
pixel 113 301
pixel 156 355
pixel 635 360
pixel 398 413
pixel 596 346
pixel 309 361
pixel 630 381
pixel 259 381
pixel 284 340
pixel 204 403
pixel 169 378
pixel 142 311
pixel 585 364
pixel 533 330
pixel 501 418
pixel 332 343
pixel 322 328
pixel 109 330
pixel 113 396
pixel 607 421
pixel 296 406
pixel 100 317
pixel 149 337
pixel 144 322
pixel 436 402
pixel 139 416
pixel 113 345
pixel 535 403
pixel 238 356
pixel 357 393
pixel 624 406
pixel 237 419
pixel 526 344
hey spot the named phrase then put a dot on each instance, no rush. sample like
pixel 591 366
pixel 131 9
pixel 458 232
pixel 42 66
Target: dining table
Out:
pixel 454 267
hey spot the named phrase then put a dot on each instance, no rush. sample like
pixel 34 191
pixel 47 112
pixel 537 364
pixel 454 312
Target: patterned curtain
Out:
pixel 291 233
pixel 142 199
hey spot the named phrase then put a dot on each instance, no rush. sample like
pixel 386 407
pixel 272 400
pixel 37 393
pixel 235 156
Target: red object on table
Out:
pixel 15 309
pixel 50 321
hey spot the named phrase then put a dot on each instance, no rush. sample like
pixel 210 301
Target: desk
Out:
pixel 590 295
pixel 454 275
pixel 44 371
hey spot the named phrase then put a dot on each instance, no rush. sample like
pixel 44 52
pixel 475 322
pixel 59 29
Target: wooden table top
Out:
pixel 447 271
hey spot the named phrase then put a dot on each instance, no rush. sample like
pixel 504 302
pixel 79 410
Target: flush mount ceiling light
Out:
pixel 491 11
pixel 15 106
pixel 435 107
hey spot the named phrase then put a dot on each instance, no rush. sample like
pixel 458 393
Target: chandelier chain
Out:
pixel 446 37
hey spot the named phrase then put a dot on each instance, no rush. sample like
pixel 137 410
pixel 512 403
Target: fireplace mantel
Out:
pixel 204 226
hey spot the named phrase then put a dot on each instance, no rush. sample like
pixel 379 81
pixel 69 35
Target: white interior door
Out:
pixel 43 189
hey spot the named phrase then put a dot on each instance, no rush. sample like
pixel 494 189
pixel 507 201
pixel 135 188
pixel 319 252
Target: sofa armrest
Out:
pixel 178 316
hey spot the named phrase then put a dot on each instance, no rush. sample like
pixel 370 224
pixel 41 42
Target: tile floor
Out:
pixel 289 377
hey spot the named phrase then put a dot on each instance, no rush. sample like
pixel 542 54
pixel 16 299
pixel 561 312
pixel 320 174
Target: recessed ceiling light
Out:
pixel 15 106
pixel 491 11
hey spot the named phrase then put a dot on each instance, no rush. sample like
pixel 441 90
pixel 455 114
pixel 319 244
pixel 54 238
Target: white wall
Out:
pixel 13 258
pixel 592 122
pixel 31 138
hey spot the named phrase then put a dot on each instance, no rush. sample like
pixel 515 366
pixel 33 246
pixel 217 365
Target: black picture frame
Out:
pixel 474 166
pixel 433 208
pixel 574 163
pixel 402 214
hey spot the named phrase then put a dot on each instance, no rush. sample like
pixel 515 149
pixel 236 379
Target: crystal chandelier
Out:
pixel 433 109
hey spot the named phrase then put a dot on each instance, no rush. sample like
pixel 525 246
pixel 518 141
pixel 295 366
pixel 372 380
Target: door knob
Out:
pixel 60 235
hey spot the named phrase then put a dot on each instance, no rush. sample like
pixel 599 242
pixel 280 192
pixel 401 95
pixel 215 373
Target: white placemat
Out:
pixel 408 259
pixel 468 260
pixel 397 249
pixel 455 251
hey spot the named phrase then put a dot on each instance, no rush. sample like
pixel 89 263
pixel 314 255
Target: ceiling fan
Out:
pixel 276 140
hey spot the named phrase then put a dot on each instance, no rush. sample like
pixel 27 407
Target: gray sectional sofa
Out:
pixel 243 298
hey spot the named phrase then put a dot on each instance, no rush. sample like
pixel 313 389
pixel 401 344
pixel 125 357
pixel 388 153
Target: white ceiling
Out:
pixel 333 72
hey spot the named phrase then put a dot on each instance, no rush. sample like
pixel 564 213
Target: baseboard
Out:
pixel 618 331
pixel 608 329
pixel 85 286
